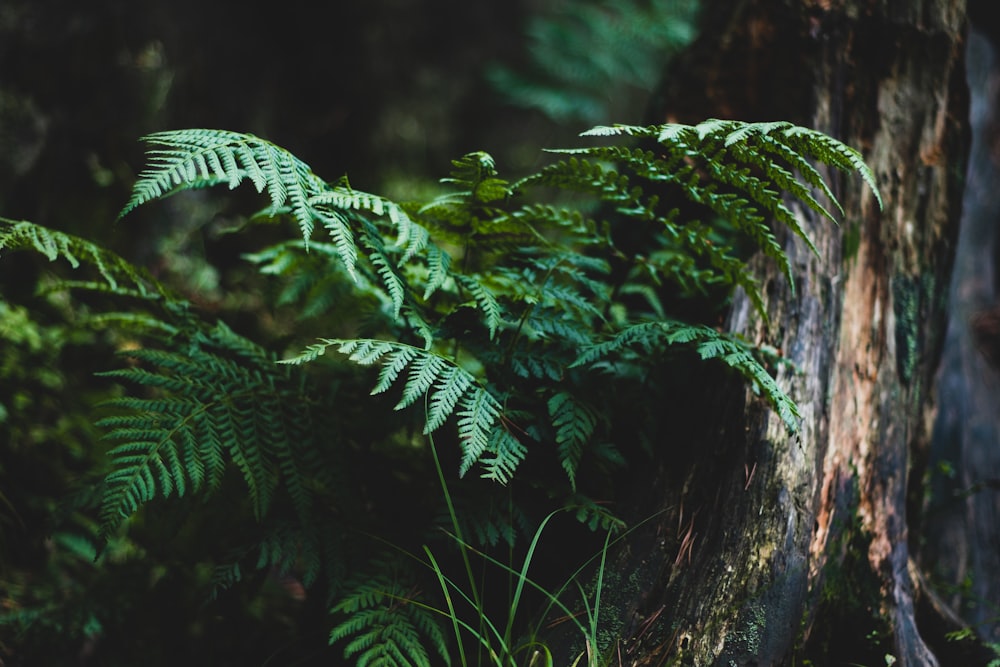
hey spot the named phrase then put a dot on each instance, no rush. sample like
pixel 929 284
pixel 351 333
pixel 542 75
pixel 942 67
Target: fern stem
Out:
pixel 509 352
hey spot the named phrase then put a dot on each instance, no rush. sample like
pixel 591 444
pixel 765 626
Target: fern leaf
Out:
pixel 485 300
pixel 394 364
pixel 222 399
pixel 120 276
pixel 506 454
pixel 438 269
pixel 475 174
pixel 424 372
pixel 385 625
pixel 343 241
pixel 744 131
pixel 197 158
pixel 451 384
pixel 476 421
pixel 827 149
pixel 710 344
pixel 447 387
pixel 574 424
pixel 617 131
pixel 802 166
pixel 410 236
pixel 394 284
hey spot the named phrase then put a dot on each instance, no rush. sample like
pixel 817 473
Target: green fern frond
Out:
pixel 650 337
pixel 505 453
pixel 574 423
pixel 475 175
pixel 476 427
pixel 594 515
pixel 532 362
pixel 386 624
pixel 438 270
pixel 830 151
pixel 386 268
pixel 446 386
pixel 195 158
pixel 224 577
pixel 718 175
pixel 223 400
pixel 781 138
pixel 581 229
pixel 411 237
pixel 343 240
pixel 582 175
pixel 485 301
pixel 120 277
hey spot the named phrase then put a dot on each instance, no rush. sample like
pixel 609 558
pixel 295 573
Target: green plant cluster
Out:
pixel 488 359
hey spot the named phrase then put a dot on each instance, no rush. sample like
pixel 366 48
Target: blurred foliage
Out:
pixel 594 61
pixel 78 84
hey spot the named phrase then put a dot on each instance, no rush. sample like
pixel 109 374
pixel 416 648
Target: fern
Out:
pixel 574 423
pixel 385 624
pixel 207 410
pixel 510 311
pixel 119 276
pixel 200 158
pixel 792 143
pixel 485 300
pixel 709 344
pixel 446 387
pixel 581 62
pixel 187 159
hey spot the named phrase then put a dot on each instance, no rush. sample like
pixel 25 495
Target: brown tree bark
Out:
pixel 768 548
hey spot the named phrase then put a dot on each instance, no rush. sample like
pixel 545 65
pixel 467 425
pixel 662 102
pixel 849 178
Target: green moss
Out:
pixel 749 635
pixel 846 627
pixel 852 240
pixel 912 299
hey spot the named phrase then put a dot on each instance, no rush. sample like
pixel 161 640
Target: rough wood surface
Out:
pixel 761 536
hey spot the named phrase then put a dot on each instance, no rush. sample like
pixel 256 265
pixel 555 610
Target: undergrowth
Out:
pixel 515 328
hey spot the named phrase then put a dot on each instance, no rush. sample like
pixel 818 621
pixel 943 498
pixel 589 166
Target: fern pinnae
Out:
pixel 709 344
pixel 131 482
pixel 385 624
pixel 805 169
pixel 424 371
pixel 445 384
pixel 120 276
pixel 574 424
pixel 485 301
pixel 618 130
pixel 785 181
pixel 394 364
pixel 449 387
pixel 343 240
pixel 505 454
pixel 183 163
pixel 411 237
pixel 395 286
pixel 831 151
pixel 476 420
pixel 744 213
pixel 438 270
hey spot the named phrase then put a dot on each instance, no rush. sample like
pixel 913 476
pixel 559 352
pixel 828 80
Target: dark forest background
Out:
pixel 386 92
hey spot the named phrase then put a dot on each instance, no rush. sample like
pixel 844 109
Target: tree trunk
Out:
pixel 963 507
pixel 770 549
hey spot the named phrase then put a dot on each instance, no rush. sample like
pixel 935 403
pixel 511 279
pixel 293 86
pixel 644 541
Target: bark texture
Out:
pixel 770 547
pixel 963 510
